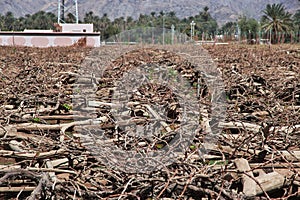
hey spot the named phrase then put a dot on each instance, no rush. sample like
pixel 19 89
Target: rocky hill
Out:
pixel 222 10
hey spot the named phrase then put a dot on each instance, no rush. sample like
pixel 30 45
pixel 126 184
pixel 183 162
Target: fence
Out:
pixel 148 35
pixel 280 37
pixel 152 35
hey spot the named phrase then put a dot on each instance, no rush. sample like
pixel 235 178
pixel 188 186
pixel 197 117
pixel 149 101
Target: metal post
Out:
pixel 63 11
pixel 192 29
pixel 259 32
pixel 58 12
pixel 270 35
pixel 163 28
pixel 249 31
pixel 152 34
pixel 172 29
pixel 191 32
pixel 76 11
pixel 238 31
pixel 65 5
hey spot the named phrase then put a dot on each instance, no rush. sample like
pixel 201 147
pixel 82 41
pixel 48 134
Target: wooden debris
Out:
pixel 253 186
pixel 249 184
pixel 42 128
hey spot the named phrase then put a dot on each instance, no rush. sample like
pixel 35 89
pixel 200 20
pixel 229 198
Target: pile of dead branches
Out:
pixel 43 123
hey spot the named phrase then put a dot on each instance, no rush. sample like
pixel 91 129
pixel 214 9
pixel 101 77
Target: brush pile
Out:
pixel 66 111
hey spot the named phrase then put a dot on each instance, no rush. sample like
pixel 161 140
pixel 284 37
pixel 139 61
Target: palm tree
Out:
pixel 153 14
pixel 70 18
pixel 1 22
pixel 205 13
pixel 90 17
pixel 129 22
pixel 9 21
pixel 20 24
pixel 296 19
pixel 120 23
pixel 276 20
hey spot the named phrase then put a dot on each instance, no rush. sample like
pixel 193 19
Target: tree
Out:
pixel 276 20
pixel 229 28
pixel 110 31
pixel 1 22
pixel 143 19
pixel 129 22
pixel 171 14
pixel 120 23
pixel 161 13
pixel 153 14
pixel 90 18
pixel 41 20
pixel 248 27
pixel 205 14
pixel 104 21
pixel 70 18
pixel 205 23
pixel 296 24
pixel 102 24
pixel 19 24
pixel 296 20
pixel 171 18
pixel 9 21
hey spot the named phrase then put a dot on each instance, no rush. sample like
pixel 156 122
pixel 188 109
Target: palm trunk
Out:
pixel 277 37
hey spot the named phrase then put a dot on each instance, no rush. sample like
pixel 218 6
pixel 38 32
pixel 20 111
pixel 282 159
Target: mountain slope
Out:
pixel 222 10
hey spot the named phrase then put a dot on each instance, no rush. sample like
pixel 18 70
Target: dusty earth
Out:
pixel 42 155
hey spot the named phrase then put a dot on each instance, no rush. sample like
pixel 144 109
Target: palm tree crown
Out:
pixel 276 19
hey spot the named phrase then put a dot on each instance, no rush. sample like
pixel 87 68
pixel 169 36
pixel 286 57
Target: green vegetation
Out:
pixel 276 22
pixel 218 162
pixel 159 146
pixel 229 28
pixel 193 147
pixel 67 107
pixel 39 20
pixel 36 120
pixel 69 134
pixel 248 27
pixel 42 20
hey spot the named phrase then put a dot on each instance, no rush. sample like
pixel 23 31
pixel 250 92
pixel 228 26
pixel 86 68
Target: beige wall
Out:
pixel 47 41
pixel 88 28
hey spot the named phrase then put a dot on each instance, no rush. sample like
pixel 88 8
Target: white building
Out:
pixel 64 35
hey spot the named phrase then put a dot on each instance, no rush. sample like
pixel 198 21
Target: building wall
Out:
pixel 77 28
pixel 47 40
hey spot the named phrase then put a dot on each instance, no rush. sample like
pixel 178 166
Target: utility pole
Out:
pixel 238 31
pixel 64 6
pixel 163 28
pixel 76 11
pixel 63 10
pixel 172 32
pixel 192 29
pixel 58 12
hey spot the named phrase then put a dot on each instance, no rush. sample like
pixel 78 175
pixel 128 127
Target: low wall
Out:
pixel 47 39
